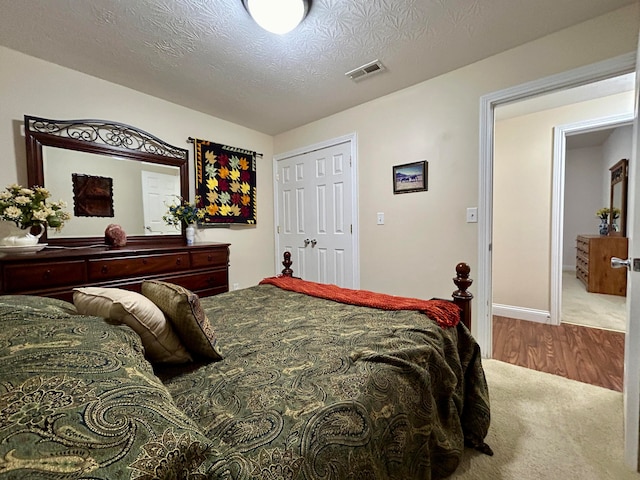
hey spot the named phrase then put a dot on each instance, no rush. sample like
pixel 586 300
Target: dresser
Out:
pixel 202 268
pixel 593 263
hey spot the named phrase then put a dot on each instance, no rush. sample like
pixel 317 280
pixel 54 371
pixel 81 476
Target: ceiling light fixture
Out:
pixel 277 16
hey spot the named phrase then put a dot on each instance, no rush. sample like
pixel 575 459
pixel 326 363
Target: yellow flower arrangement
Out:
pixel 603 213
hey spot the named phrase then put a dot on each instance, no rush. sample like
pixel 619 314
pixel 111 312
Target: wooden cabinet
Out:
pixel 202 268
pixel 593 263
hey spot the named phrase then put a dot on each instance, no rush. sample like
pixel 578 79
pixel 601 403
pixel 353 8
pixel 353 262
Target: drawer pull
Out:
pixel 179 261
pixel 210 258
pixel 46 275
pixel 144 261
pixel 104 269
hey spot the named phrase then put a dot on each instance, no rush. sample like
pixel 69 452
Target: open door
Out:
pixel 632 339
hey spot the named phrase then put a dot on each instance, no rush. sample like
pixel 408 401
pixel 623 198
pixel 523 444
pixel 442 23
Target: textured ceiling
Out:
pixel 210 56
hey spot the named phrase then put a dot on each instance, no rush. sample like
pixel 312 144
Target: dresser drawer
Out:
pixel 56 272
pixel 582 246
pixel 43 275
pixel 135 266
pixel 210 258
pixel 209 283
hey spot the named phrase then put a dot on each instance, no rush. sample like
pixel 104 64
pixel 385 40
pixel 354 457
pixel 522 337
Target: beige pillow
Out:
pixel 183 309
pixel 161 343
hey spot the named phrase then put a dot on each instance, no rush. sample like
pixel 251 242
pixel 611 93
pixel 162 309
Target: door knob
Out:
pixel 619 263
pixel 313 243
pixel 306 242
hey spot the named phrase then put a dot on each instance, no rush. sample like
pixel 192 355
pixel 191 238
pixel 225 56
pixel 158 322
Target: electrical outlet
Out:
pixel 236 286
pixel 380 220
pixel 472 215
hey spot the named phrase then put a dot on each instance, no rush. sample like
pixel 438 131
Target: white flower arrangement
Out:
pixel 28 207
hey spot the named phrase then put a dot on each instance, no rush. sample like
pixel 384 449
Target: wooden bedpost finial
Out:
pixel 462 297
pixel 287 272
pixel 462 279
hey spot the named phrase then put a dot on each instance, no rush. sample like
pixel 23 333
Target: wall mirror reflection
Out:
pixel 618 202
pixel 107 173
pixel 140 192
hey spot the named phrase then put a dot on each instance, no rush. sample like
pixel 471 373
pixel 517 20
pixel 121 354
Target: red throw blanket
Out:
pixel 445 313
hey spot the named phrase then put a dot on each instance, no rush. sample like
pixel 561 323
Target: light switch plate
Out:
pixel 472 215
pixel 380 220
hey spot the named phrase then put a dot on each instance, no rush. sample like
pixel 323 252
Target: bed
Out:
pixel 271 384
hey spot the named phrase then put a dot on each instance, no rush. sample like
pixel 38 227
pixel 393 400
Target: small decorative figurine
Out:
pixel 115 236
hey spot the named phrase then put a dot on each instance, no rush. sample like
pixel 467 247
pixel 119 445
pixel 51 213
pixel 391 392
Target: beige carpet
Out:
pixel 548 427
pixel 591 309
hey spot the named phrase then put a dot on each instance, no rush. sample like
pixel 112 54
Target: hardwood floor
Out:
pixel 586 354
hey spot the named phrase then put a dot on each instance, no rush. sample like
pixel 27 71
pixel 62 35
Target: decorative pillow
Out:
pixel 183 309
pixel 160 342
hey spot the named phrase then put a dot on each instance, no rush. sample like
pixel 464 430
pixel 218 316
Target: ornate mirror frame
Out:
pixel 106 138
pixel 618 197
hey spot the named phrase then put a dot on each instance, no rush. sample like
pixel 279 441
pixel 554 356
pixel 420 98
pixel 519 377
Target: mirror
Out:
pixel 107 173
pixel 618 199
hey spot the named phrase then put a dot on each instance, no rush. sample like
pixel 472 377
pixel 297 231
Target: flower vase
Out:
pixel 604 227
pixel 23 237
pixel 190 233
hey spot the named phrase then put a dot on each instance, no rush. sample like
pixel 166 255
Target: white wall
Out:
pixel 29 86
pixel 438 120
pixel 583 196
pixel 617 146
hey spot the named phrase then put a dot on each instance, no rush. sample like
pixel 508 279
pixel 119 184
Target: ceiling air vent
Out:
pixel 365 70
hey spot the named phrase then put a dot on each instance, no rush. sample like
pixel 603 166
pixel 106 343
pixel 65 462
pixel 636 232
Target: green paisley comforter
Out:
pixel 313 389
pixel 308 389
pixel 79 400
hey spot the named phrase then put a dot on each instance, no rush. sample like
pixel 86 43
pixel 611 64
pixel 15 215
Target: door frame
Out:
pixel 557 197
pixel 580 76
pixel 573 78
pixel 352 140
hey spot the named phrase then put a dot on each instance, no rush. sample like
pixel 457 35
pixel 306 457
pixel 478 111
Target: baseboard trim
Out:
pixel 521 313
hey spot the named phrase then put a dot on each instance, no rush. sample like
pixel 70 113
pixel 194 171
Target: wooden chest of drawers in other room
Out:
pixel 202 268
pixel 593 263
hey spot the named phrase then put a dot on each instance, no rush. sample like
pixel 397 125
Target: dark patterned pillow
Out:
pixel 184 310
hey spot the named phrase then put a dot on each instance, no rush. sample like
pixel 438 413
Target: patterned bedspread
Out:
pixel 79 400
pixel 308 389
pixel 313 389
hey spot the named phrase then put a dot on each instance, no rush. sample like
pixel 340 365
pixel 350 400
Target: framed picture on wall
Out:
pixel 410 177
pixel 92 195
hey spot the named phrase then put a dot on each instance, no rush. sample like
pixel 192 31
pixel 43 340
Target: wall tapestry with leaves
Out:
pixel 226 183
